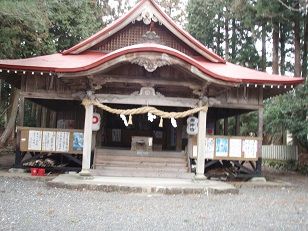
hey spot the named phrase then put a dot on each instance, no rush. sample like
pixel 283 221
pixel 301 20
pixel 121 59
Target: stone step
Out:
pixel 125 152
pixel 140 168
pixel 164 174
pixel 101 158
pixel 141 163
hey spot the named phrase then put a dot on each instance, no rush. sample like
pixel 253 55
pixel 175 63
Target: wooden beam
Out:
pixel 252 107
pixel 142 80
pixel 147 100
pixel 48 95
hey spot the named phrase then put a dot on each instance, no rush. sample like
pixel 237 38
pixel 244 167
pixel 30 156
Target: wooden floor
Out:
pixel 116 162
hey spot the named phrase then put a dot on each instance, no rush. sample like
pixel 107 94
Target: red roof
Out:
pixel 53 63
pixel 79 59
pixel 90 59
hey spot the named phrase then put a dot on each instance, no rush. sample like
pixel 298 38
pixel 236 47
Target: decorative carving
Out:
pixel 150 37
pixel 151 64
pixel 135 93
pixel 147 92
pixel 94 84
pixel 147 16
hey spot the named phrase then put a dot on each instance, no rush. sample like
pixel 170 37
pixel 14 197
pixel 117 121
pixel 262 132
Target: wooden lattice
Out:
pixel 132 34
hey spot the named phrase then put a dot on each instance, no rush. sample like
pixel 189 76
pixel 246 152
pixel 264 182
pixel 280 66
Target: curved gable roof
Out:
pixel 151 10
pixel 227 72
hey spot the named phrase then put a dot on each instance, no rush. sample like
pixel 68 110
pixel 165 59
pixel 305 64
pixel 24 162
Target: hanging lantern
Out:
pixel 192 125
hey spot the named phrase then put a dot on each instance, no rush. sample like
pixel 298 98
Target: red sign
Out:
pixel 96 121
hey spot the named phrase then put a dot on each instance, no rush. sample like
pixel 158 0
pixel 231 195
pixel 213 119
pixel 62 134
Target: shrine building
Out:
pixel 142 97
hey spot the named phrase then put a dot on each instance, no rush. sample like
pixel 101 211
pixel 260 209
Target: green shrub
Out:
pixel 284 165
pixel 303 169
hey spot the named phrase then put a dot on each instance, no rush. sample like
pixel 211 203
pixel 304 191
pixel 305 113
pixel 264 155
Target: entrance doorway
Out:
pixel 114 133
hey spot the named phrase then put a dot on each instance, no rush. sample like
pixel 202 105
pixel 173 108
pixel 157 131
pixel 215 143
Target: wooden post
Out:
pixel 201 144
pixel 87 143
pixel 21 111
pixel 38 115
pixel 53 119
pixel 226 125
pixel 260 135
pixel 217 127
pixel 237 125
pixel 179 135
pixel 44 117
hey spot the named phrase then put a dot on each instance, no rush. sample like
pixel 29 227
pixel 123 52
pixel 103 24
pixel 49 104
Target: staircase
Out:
pixel 126 163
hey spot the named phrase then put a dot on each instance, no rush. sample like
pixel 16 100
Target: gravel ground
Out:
pixel 29 204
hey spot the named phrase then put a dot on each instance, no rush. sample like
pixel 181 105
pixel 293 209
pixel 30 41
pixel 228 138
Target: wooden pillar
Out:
pixel 53 119
pixel 260 136
pixel 38 115
pixel 237 125
pixel 201 144
pixel 217 127
pixel 21 111
pixel 226 125
pixel 44 117
pixel 87 142
pixel 179 135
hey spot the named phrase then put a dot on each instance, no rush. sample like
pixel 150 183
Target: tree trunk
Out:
pixel 218 37
pixel 263 58
pixel 305 50
pixel 0 90
pixel 275 48
pixel 227 38
pixel 282 50
pixel 12 114
pixel 38 114
pixel 233 40
pixel 33 109
pixel 297 45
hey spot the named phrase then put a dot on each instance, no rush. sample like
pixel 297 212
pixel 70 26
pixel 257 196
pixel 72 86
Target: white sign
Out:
pixel 96 122
pixel 49 141
pixel 250 148
pixel 35 140
pixel 62 141
pixel 235 148
pixel 209 148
